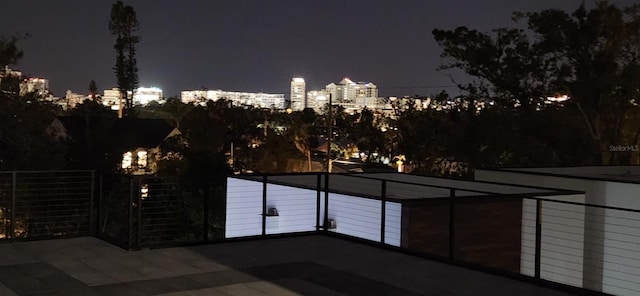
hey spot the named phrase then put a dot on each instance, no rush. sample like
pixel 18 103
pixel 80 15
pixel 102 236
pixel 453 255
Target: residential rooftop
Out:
pixel 303 265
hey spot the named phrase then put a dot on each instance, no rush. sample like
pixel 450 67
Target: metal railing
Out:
pixel 554 239
pixel 44 204
pixel 547 238
pixel 138 212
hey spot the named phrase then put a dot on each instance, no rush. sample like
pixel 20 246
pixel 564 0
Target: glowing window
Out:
pixel 142 159
pixel 126 160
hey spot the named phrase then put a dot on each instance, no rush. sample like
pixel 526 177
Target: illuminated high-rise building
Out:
pixel 143 96
pixel 347 91
pixel 348 94
pixel 298 97
pixel 257 100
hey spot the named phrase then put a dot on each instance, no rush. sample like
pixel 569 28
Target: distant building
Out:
pixel 259 100
pixel 71 99
pixel 316 99
pixel 7 72
pixel 143 96
pixel 10 80
pixel 39 86
pixel 111 98
pixel 298 95
pixel 346 91
pixel 348 94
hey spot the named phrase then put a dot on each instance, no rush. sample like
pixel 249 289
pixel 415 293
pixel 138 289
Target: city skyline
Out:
pixel 254 46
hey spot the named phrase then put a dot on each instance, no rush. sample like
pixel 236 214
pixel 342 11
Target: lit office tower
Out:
pixel 298 92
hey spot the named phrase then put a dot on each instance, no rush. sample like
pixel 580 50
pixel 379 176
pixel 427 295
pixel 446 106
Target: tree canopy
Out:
pixel 590 55
pixel 10 54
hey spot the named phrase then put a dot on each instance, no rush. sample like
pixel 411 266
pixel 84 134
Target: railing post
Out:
pixel 538 237
pixel 92 205
pixel 326 202
pixel 130 207
pixel 100 189
pixel 205 208
pixel 138 198
pixel 12 205
pixel 383 199
pixel 318 187
pixel 452 223
pixel 264 205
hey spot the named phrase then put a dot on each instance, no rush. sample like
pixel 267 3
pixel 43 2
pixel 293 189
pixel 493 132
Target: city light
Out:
pixel 127 158
pixel 561 98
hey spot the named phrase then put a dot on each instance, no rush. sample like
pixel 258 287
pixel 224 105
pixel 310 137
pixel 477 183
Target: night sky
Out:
pixel 255 45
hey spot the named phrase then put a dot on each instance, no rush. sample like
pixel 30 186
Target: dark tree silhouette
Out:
pixel 123 25
pixel 10 54
pixel 93 89
pixel 9 51
pixel 593 56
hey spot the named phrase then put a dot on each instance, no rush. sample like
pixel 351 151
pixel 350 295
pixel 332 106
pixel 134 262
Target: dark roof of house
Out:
pixel 140 132
pixel 129 132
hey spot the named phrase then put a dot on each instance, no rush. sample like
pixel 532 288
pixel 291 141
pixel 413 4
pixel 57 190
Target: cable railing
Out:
pixel 550 236
pixel 546 237
pixel 44 204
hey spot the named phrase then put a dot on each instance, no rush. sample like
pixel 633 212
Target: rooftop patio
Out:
pixel 303 265
pixel 368 234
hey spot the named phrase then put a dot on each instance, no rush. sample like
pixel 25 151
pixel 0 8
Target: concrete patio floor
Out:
pixel 308 265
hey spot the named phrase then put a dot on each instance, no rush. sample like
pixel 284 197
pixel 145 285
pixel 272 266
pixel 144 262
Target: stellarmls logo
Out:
pixel 620 148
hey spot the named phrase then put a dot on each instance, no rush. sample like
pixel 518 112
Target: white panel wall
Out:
pixel 562 240
pixel 610 238
pixel 360 217
pixel 393 222
pixel 296 209
pixel 620 241
pixel 244 208
pixel 622 195
pixel 355 216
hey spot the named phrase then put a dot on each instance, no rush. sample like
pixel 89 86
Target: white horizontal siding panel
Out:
pixel 296 209
pixel 244 208
pixel 363 221
pixel 392 226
